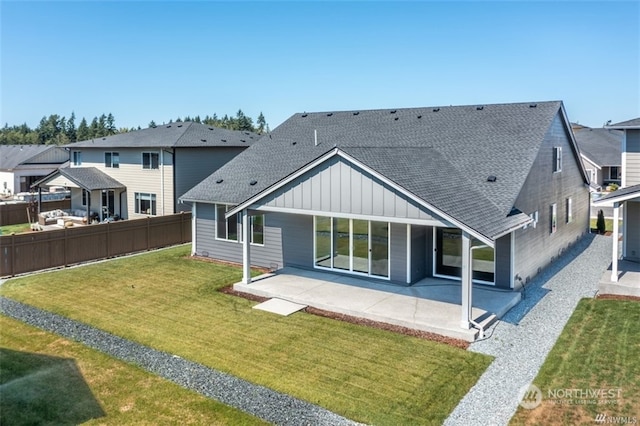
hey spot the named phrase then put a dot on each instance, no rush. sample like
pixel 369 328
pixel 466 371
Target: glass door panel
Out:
pixel 449 256
pixel 323 241
pixel 361 246
pixel 380 249
pixel 341 244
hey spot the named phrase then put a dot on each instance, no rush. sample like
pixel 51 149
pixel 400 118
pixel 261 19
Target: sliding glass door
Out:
pixel 449 256
pixel 352 245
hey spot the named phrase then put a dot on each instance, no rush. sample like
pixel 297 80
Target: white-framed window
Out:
pixel 569 210
pixel 85 197
pixel 226 229
pixel 554 218
pixel 112 159
pixel 614 173
pixel 76 157
pixel 257 229
pixel 150 160
pixel 145 203
pixel 557 156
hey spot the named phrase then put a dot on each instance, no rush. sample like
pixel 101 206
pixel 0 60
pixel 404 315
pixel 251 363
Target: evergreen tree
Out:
pixel 102 126
pixel 600 222
pixel 152 123
pixel 94 128
pixel 262 124
pixel 83 132
pixel 71 128
pixel 111 127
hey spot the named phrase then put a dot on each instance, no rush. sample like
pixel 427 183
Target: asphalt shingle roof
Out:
pixel 89 178
pixel 442 155
pixel 621 193
pixel 174 135
pixel 12 156
pixel 634 122
pixel 603 146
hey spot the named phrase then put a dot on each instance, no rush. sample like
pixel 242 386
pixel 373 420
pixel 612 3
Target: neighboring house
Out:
pixel 22 165
pixel 143 172
pixel 600 150
pixel 627 197
pixel 400 195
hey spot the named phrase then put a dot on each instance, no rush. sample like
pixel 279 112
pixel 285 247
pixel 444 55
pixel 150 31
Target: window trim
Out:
pixel 153 200
pixel 557 157
pixel 238 228
pixel 618 170
pixel 76 158
pixel 113 155
pixel 251 235
pixel 84 197
pixel 569 210
pixel 151 154
pixel 554 218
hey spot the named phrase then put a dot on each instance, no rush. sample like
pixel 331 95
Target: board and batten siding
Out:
pixel 631 158
pixel 339 187
pixel 536 247
pixel 193 165
pixel 131 174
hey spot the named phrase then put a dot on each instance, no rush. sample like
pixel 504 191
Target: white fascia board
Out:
pixel 591 162
pixel 572 140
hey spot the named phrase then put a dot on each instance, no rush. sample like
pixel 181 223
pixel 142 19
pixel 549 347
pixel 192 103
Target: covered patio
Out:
pixel 431 305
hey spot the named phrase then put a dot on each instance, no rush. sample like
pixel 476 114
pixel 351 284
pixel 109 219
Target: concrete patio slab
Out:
pixel 280 307
pixel 432 305
pixel 628 283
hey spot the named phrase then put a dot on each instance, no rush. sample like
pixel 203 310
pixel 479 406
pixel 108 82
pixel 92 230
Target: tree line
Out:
pixel 59 130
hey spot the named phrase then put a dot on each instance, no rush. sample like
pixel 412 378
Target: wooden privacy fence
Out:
pixel 12 214
pixel 34 251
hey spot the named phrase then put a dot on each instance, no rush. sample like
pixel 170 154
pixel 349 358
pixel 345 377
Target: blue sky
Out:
pixel 157 60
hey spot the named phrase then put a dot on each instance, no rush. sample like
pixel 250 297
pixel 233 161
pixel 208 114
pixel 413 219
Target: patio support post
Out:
pixel 466 281
pixel 246 243
pixel 614 237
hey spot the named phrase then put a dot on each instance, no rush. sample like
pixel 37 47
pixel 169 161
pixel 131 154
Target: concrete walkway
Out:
pixel 521 341
pixel 432 305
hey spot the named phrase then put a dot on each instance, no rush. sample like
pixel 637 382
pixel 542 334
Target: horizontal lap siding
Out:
pixel 633 230
pixel 632 158
pixel 398 255
pixel 536 247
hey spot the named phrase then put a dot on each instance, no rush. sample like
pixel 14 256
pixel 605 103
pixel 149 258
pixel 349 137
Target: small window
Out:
pixel 614 173
pixel 77 158
pixel 112 159
pixel 150 160
pixel 569 210
pixel 145 203
pixel 554 218
pixel 257 229
pixel 226 229
pixel 557 155
pixel 85 197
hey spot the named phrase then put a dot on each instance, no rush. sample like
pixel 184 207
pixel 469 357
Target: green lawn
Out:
pixel 608 224
pixel 11 229
pixel 169 301
pixel 598 349
pixel 45 379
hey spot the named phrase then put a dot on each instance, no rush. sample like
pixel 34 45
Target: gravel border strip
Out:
pixel 522 339
pixel 262 402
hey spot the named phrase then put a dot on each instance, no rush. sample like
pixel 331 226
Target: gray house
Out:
pixel 627 198
pixel 22 165
pixel 143 172
pixel 402 194
pixel 601 153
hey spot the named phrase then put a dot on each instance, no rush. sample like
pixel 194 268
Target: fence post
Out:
pixel 66 247
pixel 13 254
pixel 148 234
pixel 108 232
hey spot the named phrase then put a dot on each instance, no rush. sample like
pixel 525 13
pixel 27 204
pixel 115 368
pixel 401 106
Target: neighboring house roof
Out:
pixel 12 156
pixel 173 135
pixel 634 123
pixel 442 155
pixel 88 178
pixel 623 194
pixel 601 146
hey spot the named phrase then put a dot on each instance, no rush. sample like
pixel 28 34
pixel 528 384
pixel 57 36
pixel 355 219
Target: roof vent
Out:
pixel 419 116
pixel 480 108
pixel 104 139
pixel 223 140
pixel 356 112
pixel 246 133
pixel 396 119
pixel 220 181
pixel 179 125
pixel 293 143
pixel 253 182
pixel 533 105
pixel 210 128
pixel 168 126
pixel 436 109
pixel 491 178
pixel 393 111
pixel 203 140
pixel 243 140
pixel 329 114
pixel 305 114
